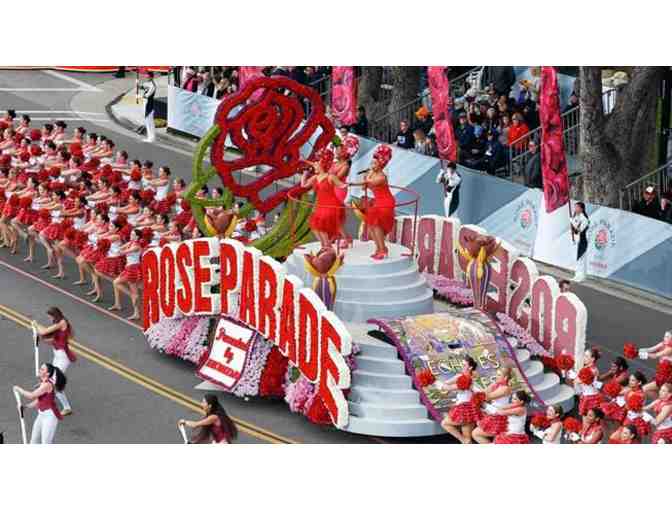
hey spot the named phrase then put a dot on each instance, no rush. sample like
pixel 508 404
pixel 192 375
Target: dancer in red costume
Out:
pixel 662 351
pixel 662 407
pixel 615 409
pixel 131 275
pixel 628 435
pixel 464 414
pixel 328 217
pixel 586 383
pixel 216 427
pixel 516 414
pixel 635 417
pixel 498 395
pixel 553 433
pixel 341 169
pixel 592 431
pixel 618 371
pixel 379 217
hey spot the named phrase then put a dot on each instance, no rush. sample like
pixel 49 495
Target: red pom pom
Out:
pixel 464 382
pixel 635 401
pixel 35 135
pixel 612 389
pixel 550 364
pixel 571 424
pixel 250 226
pixel 94 162
pixel 55 185
pixel 540 421
pixel 565 361
pixel 630 351
pixel 103 244
pixel 478 399
pixel 425 377
pixel 24 202
pixel 663 372
pixel 14 201
pixel 70 234
pixel 586 376
pixel 102 207
pixel 147 234
pixel 147 196
pixel 136 175
pixel 35 150
pixel 55 172
pixel 24 157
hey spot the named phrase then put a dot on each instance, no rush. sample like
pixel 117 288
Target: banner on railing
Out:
pixel 439 87
pixel 344 95
pixel 190 113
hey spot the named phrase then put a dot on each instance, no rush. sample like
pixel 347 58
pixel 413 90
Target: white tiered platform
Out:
pixel 372 289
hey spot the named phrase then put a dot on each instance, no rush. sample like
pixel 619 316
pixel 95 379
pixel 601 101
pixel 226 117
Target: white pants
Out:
pixel 44 428
pixel 61 361
pixel 149 126
pixel 581 268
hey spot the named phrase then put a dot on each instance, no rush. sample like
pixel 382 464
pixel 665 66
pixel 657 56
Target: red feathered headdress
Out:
pixel 464 382
pixel 586 376
pixel 383 155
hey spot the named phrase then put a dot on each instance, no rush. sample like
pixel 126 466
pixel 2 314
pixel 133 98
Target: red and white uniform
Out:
pixel 494 424
pixel 464 411
pixel 133 270
pixel 663 430
pixel 515 431
pixel 615 410
pixel 48 415
pixel 113 263
pixel 219 436
pixel 591 398
pixel 592 434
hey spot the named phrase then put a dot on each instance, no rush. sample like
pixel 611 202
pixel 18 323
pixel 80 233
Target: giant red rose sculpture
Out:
pixel 269 131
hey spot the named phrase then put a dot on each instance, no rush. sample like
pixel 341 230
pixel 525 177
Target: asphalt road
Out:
pixel 111 404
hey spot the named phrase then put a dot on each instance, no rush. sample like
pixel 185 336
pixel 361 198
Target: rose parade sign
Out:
pixel 212 277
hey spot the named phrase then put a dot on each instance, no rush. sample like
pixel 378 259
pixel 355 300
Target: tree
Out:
pixel 368 90
pixel 618 147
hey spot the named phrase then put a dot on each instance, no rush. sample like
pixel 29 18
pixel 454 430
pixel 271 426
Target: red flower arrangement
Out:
pixel 565 361
pixel 612 389
pixel 273 376
pixel 464 382
pixel 635 402
pixel 318 413
pixel 630 351
pixel 571 425
pixel 540 421
pixel 586 376
pixel 425 377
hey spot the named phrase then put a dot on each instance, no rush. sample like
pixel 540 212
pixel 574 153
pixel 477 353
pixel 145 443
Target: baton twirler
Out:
pixel 36 344
pixel 183 433
pixel 20 408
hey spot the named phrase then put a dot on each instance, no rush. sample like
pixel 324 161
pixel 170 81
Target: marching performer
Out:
pixel 216 427
pixel 379 217
pixel 592 430
pixel 450 180
pixel 148 92
pixel 499 395
pixel 579 224
pixel 516 414
pixel 59 335
pixel 586 382
pixel 328 217
pixel 464 413
pixel 131 275
pixel 52 380
pixel 662 351
pixel 662 406
pixel 553 433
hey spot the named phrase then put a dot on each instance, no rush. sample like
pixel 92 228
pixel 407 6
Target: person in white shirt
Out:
pixel 579 224
pixel 450 180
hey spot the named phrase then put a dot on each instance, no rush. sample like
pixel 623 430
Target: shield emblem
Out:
pixel 228 355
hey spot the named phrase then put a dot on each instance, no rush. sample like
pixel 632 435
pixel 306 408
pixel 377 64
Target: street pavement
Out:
pixel 115 406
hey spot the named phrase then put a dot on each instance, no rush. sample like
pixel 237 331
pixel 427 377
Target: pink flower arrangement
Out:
pixel 455 291
pixel 248 385
pixel 510 327
pixel 298 394
pixel 184 338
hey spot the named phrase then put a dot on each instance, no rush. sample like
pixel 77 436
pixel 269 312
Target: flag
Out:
pixel 344 95
pixel 439 87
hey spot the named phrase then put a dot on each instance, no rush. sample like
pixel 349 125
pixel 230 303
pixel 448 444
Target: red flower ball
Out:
pixel 425 377
pixel 464 382
pixel 571 424
pixel 540 421
pixel 565 361
pixel 630 351
pixel 612 389
pixel 586 376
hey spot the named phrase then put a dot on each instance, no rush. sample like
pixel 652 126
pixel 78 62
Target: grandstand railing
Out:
pixel 660 179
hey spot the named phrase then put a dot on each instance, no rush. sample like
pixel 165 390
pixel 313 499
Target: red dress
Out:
pixel 381 213
pixel 329 213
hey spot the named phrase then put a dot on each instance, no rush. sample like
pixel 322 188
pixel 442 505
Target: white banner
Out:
pixel 190 113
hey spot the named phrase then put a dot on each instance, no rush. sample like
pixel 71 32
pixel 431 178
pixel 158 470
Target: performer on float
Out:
pixel 592 430
pixel 662 407
pixel 579 224
pixel 341 169
pixel 379 216
pixel 662 351
pixel 615 409
pixel 51 380
pixel 217 427
pixel 618 372
pixel 328 216
pixel 59 335
pixel 553 433
pixel 463 416
pixel 498 394
pixel 131 275
pixel 516 413
pixel 450 179
pixel 635 416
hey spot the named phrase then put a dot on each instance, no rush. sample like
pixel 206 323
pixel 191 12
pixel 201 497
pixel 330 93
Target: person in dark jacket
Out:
pixel 666 208
pixel 503 78
pixel 495 154
pixel 464 134
pixel 532 173
pixel 649 206
pixel 361 127
pixel 404 138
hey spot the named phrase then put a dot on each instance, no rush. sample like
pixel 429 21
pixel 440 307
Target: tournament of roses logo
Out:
pixel 604 236
pixel 526 214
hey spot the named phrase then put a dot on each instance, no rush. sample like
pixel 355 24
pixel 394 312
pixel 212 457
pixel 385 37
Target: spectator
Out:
pixel 190 79
pixel 666 208
pixel 494 156
pixel 532 173
pixel 503 79
pixel 361 127
pixel 464 134
pixel 458 110
pixel 649 206
pixel 423 144
pixel 491 120
pixel 518 130
pixel 424 121
pixel 504 127
pixel 298 74
pixel 565 286
pixel 280 71
pixel 573 103
pixel 404 136
pixel 206 86
pixel 531 115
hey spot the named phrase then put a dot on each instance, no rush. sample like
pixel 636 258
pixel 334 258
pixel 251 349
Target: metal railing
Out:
pixel 660 179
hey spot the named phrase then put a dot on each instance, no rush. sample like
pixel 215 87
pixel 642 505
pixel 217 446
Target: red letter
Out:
pixel 426 245
pixel 150 286
pixel 407 232
pixel 569 320
pixel 167 281
pixel 447 251
pixel 184 295
pixel 499 280
pixel 202 304
pixel 287 343
pixel 308 338
pixel 228 272
pixel 268 326
pixel 248 311
pixel 330 376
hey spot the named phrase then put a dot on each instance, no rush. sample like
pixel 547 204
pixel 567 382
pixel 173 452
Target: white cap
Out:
pixel 650 189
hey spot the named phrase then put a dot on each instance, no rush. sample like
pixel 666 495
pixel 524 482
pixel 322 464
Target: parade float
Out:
pixel 344 340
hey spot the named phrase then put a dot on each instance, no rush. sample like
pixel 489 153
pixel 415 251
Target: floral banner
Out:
pixel 249 73
pixel 553 160
pixel 439 87
pixel 433 348
pixel 344 95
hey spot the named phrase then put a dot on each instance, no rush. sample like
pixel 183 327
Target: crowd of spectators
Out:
pixel 655 207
